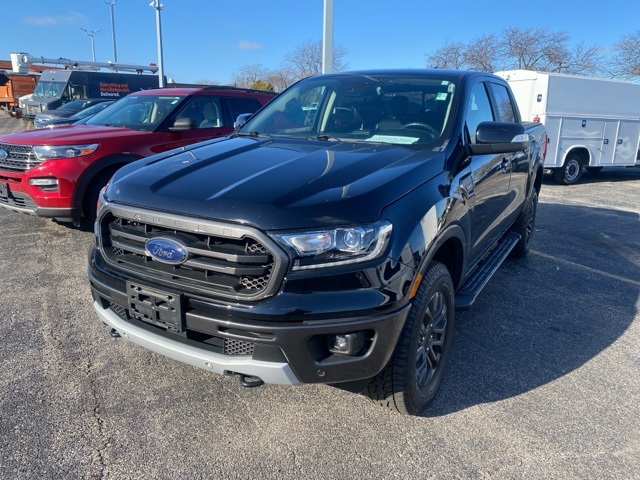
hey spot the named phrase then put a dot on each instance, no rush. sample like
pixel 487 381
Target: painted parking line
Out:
pixel 589 269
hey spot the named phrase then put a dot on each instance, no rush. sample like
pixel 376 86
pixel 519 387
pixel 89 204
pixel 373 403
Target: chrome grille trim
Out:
pixel 20 158
pixel 226 261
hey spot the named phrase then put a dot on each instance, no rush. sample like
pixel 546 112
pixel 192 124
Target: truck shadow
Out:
pixel 545 316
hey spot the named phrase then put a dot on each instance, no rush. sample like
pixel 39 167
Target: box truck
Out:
pixel 57 87
pixel 591 122
pixel 13 86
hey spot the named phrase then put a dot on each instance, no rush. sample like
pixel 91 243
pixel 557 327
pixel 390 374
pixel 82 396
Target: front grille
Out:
pixel 20 158
pixel 224 260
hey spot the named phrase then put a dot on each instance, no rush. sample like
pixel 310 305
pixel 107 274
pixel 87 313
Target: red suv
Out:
pixel 59 172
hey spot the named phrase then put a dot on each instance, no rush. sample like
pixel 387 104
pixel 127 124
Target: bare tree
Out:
pixel 626 56
pixel 306 59
pixel 483 53
pixel 580 61
pixel 281 79
pixel 250 74
pixel 207 82
pixel 449 56
pixel 534 48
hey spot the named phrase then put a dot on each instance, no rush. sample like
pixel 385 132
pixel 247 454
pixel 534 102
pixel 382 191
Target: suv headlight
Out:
pixel 336 246
pixel 48 152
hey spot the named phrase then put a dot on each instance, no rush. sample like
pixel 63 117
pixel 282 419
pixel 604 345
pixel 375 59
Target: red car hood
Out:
pixel 69 135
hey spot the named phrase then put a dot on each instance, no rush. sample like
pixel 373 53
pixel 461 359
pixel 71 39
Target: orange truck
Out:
pixel 13 86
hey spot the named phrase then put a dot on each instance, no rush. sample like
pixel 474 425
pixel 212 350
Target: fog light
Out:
pixel 347 343
pixel 43 182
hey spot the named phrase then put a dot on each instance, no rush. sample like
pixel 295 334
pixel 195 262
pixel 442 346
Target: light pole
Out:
pixel 92 34
pixel 111 3
pixel 158 6
pixel 327 34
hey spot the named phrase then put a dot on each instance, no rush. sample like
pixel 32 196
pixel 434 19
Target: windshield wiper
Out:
pixel 325 138
pixel 252 134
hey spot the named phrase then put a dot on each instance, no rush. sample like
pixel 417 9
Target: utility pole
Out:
pixel 111 3
pixel 92 34
pixel 327 37
pixel 158 6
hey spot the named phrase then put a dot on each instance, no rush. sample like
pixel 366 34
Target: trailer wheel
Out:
pixel 570 172
pixel 412 377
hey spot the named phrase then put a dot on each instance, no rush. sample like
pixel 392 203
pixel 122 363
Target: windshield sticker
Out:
pixel 441 96
pixel 393 139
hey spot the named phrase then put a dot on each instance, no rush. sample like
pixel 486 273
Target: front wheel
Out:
pixel 411 379
pixel 525 226
pixel 570 172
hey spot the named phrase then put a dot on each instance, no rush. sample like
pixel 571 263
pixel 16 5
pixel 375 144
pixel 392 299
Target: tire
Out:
pixel 594 169
pixel 90 201
pixel 414 373
pixel 525 226
pixel 570 172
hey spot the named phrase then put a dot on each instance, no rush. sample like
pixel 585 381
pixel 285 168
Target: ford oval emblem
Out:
pixel 3 155
pixel 167 250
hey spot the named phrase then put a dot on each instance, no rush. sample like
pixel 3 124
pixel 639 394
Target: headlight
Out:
pixel 337 246
pixel 47 152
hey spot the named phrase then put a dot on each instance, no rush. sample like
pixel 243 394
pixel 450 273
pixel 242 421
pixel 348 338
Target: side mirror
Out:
pixel 499 137
pixel 242 119
pixel 182 124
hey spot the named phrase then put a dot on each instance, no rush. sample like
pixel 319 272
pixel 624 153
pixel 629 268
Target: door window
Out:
pixel 478 109
pixel 503 101
pixel 238 106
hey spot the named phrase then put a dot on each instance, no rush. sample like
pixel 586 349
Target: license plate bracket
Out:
pixel 4 191
pixel 157 307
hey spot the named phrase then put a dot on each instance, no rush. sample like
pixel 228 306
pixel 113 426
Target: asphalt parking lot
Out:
pixel 543 381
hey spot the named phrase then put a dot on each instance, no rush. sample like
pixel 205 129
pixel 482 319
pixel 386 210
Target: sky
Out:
pixel 212 40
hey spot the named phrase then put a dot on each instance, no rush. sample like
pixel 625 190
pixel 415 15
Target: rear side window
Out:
pixel 238 106
pixel 503 100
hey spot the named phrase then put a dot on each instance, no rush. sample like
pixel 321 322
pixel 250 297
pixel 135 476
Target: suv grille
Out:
pixel 224 260
pixel 20 158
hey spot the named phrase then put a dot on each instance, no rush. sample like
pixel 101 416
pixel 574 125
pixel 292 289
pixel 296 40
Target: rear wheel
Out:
pixel 411 379
pixel 571 171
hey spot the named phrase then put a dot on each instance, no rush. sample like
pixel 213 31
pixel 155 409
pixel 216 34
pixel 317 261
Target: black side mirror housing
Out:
pixel 499 137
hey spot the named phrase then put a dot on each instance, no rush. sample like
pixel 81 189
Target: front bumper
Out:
pixel 22 203
pixel 269 372
pixel 271 347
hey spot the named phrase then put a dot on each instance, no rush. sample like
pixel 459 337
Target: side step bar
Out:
pixel 474 285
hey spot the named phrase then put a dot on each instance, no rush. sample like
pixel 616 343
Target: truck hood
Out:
pixel 276 183
pixel 69 135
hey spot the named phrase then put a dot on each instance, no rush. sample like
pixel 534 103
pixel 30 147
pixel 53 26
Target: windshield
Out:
pixel 401 110
pixel 93 109
pixel 138 112
pixel 74 105
pixel 49 89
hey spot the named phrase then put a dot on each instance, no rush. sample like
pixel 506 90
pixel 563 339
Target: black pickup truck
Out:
pixel 330 238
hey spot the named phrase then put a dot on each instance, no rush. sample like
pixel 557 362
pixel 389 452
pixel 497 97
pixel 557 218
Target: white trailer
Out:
pixel 591 122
